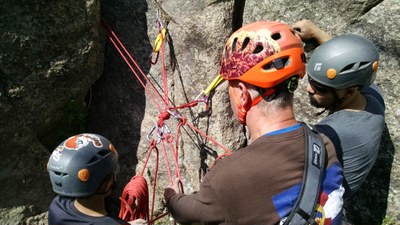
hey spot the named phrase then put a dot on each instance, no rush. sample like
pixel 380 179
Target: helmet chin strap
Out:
pixel 241 111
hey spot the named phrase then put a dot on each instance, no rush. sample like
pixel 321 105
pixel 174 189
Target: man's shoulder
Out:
pixel 374 94
pixel 60 203
pixel 62 211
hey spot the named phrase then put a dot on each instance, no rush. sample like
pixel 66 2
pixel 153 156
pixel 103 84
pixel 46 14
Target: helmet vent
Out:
pixel 348 68
pixel 59 173
pixel 100 154
pixel 245 43
pixel 278 63
pixel 276 36
pixel 303 58
pixel 258 49
pixel 103 152
pixel 268 66
pixel 94 159
pixel 364 64
pixel 234 44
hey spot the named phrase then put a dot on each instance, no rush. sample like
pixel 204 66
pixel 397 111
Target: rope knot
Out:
pixel 162 117
pixel 183 120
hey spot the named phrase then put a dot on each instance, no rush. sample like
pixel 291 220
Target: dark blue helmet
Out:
pixel 80 164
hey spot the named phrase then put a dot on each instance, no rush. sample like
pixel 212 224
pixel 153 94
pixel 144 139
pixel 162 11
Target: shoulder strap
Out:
pixel 303 211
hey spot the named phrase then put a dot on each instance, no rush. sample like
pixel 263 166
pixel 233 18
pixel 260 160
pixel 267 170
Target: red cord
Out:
pixel 118 45
pixel 134 199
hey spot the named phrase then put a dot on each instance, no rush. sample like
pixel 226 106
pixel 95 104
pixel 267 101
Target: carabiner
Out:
pixel 163 130
pixel 160 38
pixel 150 133
pixel 174 114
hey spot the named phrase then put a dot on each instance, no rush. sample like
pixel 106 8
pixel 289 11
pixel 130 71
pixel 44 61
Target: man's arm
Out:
pixel 308 30
pixel 202 206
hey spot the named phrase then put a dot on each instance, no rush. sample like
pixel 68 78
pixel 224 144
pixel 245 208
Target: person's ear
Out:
pixel 244 96
pixel 107 184
pixel 350 92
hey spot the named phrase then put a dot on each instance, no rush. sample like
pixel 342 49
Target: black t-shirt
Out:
pixel 62 211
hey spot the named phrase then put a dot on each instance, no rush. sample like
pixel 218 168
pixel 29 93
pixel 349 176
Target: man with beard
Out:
pixel 341 73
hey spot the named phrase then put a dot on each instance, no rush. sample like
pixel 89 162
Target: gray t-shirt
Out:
pixel 356 136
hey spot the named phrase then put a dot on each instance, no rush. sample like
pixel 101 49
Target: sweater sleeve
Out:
pixel 202 206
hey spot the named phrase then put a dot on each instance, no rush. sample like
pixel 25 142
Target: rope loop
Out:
pixel 153 62
pixel 169 138
pixel 153 144
pixel 135 200
pixel 183 120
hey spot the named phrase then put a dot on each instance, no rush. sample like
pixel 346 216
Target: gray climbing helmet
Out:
pixel 344 61
pixel 80 164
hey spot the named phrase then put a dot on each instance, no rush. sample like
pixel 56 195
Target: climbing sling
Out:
pixel 304 211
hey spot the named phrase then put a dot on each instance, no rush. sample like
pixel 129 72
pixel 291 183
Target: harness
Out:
pixel 303 211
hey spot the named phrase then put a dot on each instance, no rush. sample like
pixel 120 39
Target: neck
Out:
pixel 356 103
pixel 92 206
pixel 260 122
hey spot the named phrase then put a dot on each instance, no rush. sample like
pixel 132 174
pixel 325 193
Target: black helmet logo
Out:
pixel 79 141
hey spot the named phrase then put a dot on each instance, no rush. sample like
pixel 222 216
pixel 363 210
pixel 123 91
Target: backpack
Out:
pixel 303 211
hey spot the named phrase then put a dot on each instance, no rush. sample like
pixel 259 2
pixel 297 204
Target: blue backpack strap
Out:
pixel 304 211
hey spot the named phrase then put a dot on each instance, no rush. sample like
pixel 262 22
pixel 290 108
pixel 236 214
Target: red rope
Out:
pixel 134 199
pixel 153 145
pixel 118 46
pixel 164 72
pixel 162 117
pixel 227 151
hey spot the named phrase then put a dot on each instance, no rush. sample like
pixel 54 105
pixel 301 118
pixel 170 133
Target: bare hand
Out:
pixel 308 30
pixel 305 29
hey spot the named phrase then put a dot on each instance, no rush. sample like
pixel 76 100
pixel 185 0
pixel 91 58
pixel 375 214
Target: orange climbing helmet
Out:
pixel 263 54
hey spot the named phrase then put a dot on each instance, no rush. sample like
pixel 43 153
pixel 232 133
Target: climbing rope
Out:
pixel 134 200
pixel 135 196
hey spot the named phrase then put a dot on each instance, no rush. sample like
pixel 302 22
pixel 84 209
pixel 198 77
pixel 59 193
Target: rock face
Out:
pixel 52 56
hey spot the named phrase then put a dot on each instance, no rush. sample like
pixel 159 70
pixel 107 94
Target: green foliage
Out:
pixel 388 221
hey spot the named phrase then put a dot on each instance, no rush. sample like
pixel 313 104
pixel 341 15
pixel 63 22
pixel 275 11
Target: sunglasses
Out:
pixel 318 87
